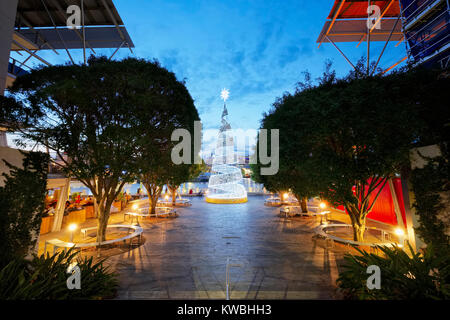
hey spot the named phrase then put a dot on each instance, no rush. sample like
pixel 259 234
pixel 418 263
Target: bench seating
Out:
pixel 56 243
pixel 320 231
pixel 143 212
pixel 297 210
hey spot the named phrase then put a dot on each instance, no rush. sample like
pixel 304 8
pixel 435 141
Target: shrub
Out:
pixel 419 276
pixel 45 277
pixel 22 206
pixel 430 184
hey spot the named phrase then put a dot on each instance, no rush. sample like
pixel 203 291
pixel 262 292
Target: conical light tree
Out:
pixel 225 183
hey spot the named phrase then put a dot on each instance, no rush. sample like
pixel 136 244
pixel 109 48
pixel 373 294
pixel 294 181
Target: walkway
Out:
pixel 185 258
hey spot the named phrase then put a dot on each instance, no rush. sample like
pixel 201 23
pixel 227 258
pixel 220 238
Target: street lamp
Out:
pixel 134 207
pixel 322 206
pixel 401 236
pixel 72 228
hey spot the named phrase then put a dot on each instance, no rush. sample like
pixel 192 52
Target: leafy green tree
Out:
pixel 103 119
pixel 179 174
pixel 22 206
pixel 343 139
pixel 171 108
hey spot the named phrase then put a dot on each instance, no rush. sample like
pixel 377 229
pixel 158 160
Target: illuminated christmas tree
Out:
pixel 225 183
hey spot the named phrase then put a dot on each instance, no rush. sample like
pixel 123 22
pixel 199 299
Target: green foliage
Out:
pixel 112 119
pixel 22 206
pixel 351 132
pixel 8 111
pixel 420 276
pixel 45 277
pixel 429 184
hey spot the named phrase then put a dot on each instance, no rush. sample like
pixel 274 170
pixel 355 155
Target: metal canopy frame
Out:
pixel 43 22
pixel 347 22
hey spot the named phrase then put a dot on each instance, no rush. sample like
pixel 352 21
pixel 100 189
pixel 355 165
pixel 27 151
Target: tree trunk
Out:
pixel 303 205
pixel 173 190
pixel 102 224
pixel 153 193
pixel 358 232
pixel 154 201
pixel 358 219
pixel 303 202
pixel 150 203
pixel 103 214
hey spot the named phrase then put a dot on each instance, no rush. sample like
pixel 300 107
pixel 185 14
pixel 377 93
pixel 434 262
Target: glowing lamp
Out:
pixel 72 228
pixel 135 207
pixel 166 197
pixel 401 236
pixel 285 196
pixel 322 205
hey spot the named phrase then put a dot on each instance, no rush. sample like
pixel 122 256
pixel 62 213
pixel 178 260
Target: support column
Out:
pixel 60 207
pixel 8 10
pixel 397 210
pixel 411 216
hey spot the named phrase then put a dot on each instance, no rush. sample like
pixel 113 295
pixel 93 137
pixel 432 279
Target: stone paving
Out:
pixel 185 258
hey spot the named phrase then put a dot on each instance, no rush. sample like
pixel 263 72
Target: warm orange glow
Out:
pixel 135 207
pixel 399 232
pixel 322 205
pixel 72 227
pixel 166 197
pixel 285 195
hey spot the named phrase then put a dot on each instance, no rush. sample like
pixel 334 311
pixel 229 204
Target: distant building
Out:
pixel 29 27
pixel 421 24
pixel 426 29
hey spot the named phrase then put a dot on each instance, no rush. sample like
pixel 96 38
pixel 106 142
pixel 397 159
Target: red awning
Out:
pixel 354 9
pixel 347 22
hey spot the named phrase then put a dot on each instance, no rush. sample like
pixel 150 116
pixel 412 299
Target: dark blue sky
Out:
pixel 257 49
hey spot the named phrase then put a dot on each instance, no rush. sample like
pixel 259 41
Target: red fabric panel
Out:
pixel 383 209
pixel 358 9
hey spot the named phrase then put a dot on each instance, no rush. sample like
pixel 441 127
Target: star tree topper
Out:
pixel 225 94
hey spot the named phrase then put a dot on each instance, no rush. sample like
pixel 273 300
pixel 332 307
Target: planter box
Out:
pixel 46 224
pixel 77 217
pixel 89 211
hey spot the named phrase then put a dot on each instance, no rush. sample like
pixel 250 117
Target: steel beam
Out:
pixel 31 53
pixel 57 31
pixel 341 52
pixel 332 21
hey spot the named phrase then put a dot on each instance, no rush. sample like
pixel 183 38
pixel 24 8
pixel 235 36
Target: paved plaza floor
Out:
pixel 186 257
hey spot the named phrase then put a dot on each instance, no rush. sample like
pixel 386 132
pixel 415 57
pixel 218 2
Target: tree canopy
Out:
pixel 105 120
pixel 344 138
